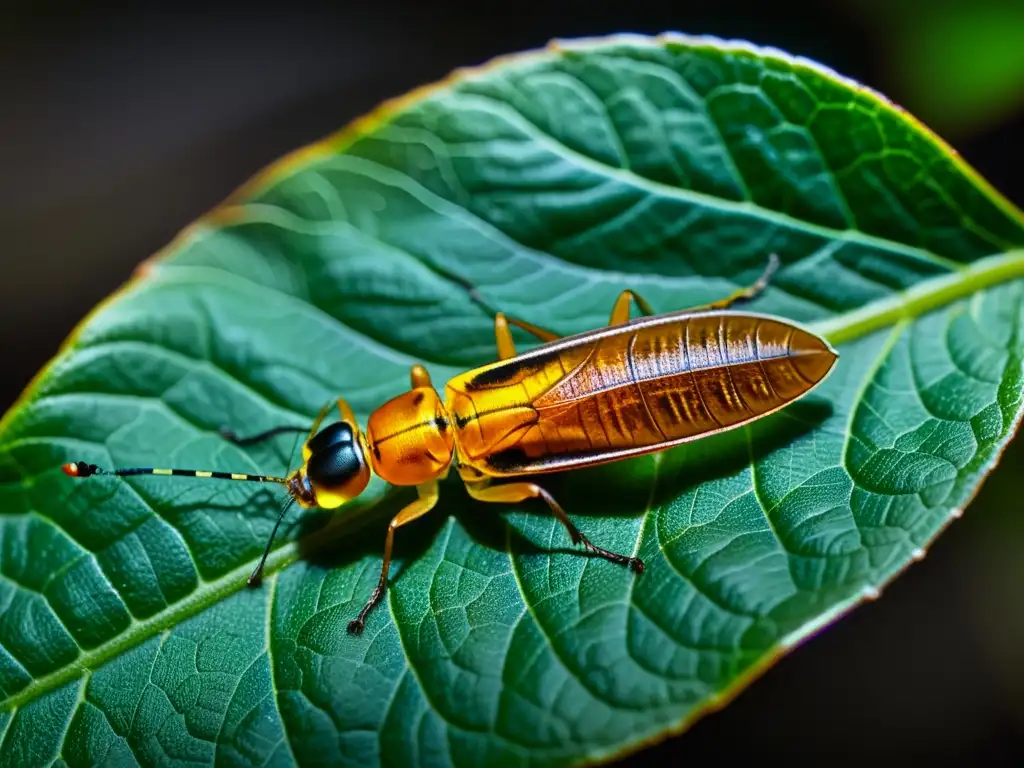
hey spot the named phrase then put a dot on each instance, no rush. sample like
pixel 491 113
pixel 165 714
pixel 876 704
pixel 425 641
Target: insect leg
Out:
pixel 419 377
pixel 319 420
pixel 749 293
pixel 513 492
pixel 535 330
pixel 503 335
pixel 620 312
pixel 346 412
pixel 506 347
pixel 428 495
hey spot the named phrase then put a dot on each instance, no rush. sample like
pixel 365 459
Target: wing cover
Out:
pixel 630 389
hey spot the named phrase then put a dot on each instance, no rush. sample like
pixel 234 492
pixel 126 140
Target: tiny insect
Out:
pixel 634 387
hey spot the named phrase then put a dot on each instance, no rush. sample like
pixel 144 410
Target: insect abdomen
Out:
pixel 713 372
pixel 644 386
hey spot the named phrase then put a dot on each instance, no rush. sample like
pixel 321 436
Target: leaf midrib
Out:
pixel 922 298
pixel 907 305
pixel 140 630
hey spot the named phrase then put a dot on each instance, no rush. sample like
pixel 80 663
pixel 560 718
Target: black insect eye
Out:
pixel 335 465
pixel 331 435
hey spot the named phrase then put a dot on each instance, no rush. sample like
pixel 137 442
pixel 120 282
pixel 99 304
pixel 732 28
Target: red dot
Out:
pixel 71 469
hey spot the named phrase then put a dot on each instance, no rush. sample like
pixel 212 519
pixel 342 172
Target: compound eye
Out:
pixel 337 471
pixel 331 435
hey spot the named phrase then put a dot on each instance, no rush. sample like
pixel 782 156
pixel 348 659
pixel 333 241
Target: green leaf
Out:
pixel 551 181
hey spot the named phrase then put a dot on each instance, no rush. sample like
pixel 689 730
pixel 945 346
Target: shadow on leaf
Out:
pixel 729 453
pixel 334 539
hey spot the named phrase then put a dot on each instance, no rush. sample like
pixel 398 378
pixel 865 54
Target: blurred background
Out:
pixel 118 129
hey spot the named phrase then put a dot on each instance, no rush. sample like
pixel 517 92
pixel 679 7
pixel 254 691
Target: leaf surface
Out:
pixel 551 181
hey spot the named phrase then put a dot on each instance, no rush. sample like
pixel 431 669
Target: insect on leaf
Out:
pixel 550 181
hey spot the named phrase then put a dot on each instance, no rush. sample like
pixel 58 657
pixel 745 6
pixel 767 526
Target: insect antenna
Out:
pixel 256 577
pixel 84 469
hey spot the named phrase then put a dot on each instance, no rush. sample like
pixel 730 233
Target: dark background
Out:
pixel 118 129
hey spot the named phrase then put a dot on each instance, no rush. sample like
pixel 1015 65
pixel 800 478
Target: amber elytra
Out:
pixel 634 387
